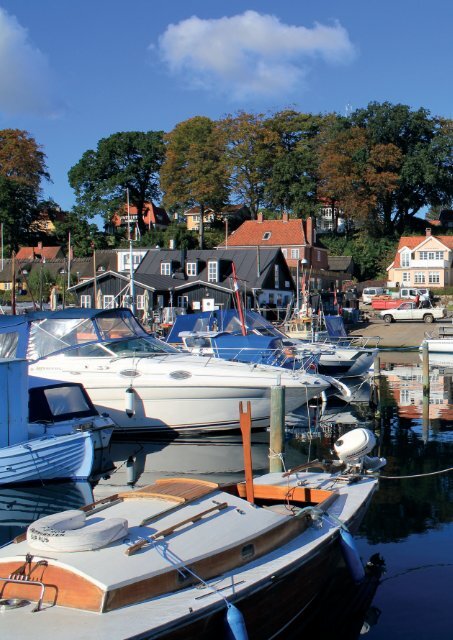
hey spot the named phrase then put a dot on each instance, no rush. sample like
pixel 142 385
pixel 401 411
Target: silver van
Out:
pixel 370 292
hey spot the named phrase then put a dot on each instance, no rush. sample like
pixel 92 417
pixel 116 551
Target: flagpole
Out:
pixel 131 269
pixel 95 293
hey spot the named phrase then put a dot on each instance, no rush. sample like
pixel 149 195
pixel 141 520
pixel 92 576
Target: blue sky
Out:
pixel 73 72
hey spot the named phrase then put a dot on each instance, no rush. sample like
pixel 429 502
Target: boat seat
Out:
pixel 175 489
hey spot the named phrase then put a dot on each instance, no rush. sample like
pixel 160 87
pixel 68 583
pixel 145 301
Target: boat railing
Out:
pixel 368 342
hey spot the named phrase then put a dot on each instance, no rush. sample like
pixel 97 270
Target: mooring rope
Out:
pixel 416 475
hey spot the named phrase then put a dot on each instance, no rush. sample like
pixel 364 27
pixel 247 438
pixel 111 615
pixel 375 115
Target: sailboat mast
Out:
pixel 131 267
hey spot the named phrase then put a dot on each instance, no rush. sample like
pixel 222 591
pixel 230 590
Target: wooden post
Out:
pixel 277 428
pixel 425 370
pixel 245 420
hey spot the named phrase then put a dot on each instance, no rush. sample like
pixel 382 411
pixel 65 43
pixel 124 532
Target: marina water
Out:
pixel 409 522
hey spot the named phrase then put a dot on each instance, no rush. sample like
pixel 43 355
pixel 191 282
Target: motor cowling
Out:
pixel 353 448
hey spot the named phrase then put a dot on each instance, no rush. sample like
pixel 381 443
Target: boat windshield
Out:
pixel 53 335
pixel 8 345
pixel 128 347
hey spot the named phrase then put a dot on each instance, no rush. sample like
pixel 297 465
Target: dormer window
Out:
pixel 165 269
pixel 267 235
pixel 191 269
pixel 405 259
pixel 213 271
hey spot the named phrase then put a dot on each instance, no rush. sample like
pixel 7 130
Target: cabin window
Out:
pixel 191 269
pixel 419 277
pixel 165 269
pixel 213 271
pixel 248 551
pixel 295 253
pixel 85 301
pixel 8 345
pixel 108 302
pixel 434 277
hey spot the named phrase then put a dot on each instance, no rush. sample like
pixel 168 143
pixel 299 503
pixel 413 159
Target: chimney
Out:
pixel 309 231
pixel 428 231
pixel 259 217
pixel 39 245
pixel 285 216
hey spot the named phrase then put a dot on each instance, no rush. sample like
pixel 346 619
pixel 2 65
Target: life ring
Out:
pixel 66 532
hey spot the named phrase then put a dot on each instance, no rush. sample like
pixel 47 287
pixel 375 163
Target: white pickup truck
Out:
pixel 410 311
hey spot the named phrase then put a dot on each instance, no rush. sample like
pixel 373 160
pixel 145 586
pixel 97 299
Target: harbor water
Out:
pixel 409 523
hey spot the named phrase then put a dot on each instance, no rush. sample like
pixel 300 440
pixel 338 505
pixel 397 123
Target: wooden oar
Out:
pixel 245 421
pixel 166 532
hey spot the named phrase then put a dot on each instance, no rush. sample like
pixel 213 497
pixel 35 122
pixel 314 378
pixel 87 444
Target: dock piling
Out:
pixel 277 428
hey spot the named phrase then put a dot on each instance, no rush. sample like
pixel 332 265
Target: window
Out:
pixel 183 301
pixel 124 259
pixel 267 235
pixel 419 277
pixel 108 302
pixel 406 277
pixel 140 305
pixel 434 277
pixel 318 256
pixel 165 269
pixel 85 301
pixel 191 268
pixel 405 259
pixel 285 252
pixel 213 271
pixel 295 253
pixel 277 276
pixel 431 255
pixel 8 286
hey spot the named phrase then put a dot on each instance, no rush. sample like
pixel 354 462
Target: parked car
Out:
pixel 369 292
pixel 411 311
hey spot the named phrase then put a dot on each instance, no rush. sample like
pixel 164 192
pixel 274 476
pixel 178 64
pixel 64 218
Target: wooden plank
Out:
pixel 245 421
pixel 283 494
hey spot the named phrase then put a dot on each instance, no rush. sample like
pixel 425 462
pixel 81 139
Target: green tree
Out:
pixel 83 235
pixel 252 147
pixel 292 184
pixel 194 171
pixel 22 168
pixel 123 161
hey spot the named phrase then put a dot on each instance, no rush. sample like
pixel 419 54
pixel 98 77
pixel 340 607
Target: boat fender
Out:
pixel 236 624
pixel 67 531
pixel 130 402
pixel 351 556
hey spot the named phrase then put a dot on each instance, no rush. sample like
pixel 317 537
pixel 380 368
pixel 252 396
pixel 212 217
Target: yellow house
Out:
pixel 423 261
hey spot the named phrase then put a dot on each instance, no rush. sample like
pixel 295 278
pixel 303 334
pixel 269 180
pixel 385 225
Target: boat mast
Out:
pixel 238 300
pixel 131 268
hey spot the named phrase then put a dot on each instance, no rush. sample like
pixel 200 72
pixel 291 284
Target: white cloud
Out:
pixel 25 78
pixel 250 54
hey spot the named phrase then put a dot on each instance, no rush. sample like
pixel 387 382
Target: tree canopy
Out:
pixel 123 161
pixel 194 172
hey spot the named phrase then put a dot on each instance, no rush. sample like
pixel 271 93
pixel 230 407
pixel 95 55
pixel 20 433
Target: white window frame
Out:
pixel 405 259
pixel 8 286
pixel 191 269
pixel 419 277
pixel 267 235
pixel 140 302
pixel 276 276
pixel 85 301
pixel 165 269
pixel 108 302
pixel 183 301
pixel 213 271
pixel 285 252
pixel 434 277
pixel 406 277
pixel 295 254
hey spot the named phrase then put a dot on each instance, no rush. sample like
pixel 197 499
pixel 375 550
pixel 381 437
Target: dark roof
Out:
pixel 340 263
pixel 245 261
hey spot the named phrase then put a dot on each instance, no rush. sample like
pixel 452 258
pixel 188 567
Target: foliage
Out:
pixel 251 149
pixel 194 171
pixel 39 283
pixel 385 163
pixel 176 234
pixel 22 167
pixel 83 235
pixel 371 255
pixel 123 161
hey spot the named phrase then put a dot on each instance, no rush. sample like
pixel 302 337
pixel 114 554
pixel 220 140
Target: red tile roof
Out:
pixel 252 232
pixel 32 253
pixel 412 242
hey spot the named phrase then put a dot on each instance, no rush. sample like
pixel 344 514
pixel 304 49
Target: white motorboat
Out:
pixel 183 557
pixel 26 458
pixel 143 383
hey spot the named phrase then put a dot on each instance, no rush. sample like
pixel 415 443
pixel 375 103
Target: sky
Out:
pixel 75 71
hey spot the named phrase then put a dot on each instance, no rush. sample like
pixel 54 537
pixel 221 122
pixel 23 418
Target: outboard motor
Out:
pixel 353 448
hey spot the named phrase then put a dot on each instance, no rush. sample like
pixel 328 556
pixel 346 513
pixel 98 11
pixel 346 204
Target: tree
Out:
pixel 123 161
pixel 22 168
pixel 252 147
pixel 293 179
pixel 83 234
pixel 194 172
